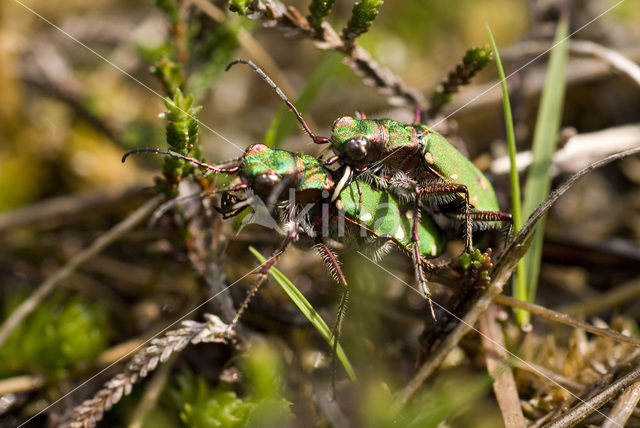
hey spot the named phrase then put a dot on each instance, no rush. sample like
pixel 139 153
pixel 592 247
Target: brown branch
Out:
pixel 295 25
pixel 63 208
pixel 624 407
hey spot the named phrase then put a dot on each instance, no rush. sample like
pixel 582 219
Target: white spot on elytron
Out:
pixel 454 176
pixel 339 204
pixel 484 184
pixel 434 250
pixel 474 200
pixel 366 217
pixel 409 215
pixel 429 158
pixel 399 233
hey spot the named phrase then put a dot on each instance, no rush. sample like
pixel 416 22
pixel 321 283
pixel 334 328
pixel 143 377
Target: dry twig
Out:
pixel 623 408
pixel 504 385
pixel 295 25
pixel 566 319
pixel 64 207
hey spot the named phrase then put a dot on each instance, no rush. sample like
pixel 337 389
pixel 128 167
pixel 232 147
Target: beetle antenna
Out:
pixel 316 139
pixel 214 168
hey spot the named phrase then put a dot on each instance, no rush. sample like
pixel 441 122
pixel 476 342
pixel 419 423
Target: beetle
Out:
pixel 414 160
pixel 311 205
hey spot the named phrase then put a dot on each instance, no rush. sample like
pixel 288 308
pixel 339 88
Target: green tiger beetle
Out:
pixel 410 160
pixel 313 200
pixel 415 160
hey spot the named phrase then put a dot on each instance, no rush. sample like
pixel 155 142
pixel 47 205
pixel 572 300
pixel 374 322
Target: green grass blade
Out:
pixel 284 122
pixel 305 307
pixel 520 286
pixel 544 145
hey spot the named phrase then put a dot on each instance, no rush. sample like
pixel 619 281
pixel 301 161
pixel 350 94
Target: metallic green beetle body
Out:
pixel 451 165
pixel 395 146
pixel 381 213
pixel 261 166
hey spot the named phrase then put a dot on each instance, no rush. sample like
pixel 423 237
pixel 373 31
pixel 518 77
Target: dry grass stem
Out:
pixel 624 407
pixel 20 384
pixel 589 307
pixel 142 363
pixel 579 151
pixel 504 384
pixel 63 208
pixel 586 408
pixel 565 319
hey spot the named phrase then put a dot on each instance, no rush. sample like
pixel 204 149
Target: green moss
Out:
pixel 59 336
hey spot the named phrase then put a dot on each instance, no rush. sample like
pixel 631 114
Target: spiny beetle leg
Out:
pixel 418 262
pixel 423 286
pixel 262 275
pixel 331 261
pixel 333 265
pixel 449 188
pixel 493 216
pixel 336 332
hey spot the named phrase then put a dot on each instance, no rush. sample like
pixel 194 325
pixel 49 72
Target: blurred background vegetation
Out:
pixel 67 116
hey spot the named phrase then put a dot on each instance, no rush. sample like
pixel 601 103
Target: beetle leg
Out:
pixel 359 198
pixel 423 286
pixel 333 265
pixel 331 261
pixel 262 276
pixel 335 333
pixel 451 188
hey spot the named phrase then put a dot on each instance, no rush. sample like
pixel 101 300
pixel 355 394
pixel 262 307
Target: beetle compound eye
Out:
pixel 265 182
pixel 357 148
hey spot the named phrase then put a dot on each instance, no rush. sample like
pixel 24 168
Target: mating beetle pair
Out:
pixel 410 160
pixel 413 169
pixel 358 211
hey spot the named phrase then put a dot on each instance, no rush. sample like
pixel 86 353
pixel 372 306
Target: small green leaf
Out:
pixel 169 73
pixel 545 139
pixel 305 307
pixel 362 16
pixel 239 6
pixel 520 286
pixel 182 135
pixel 319 9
